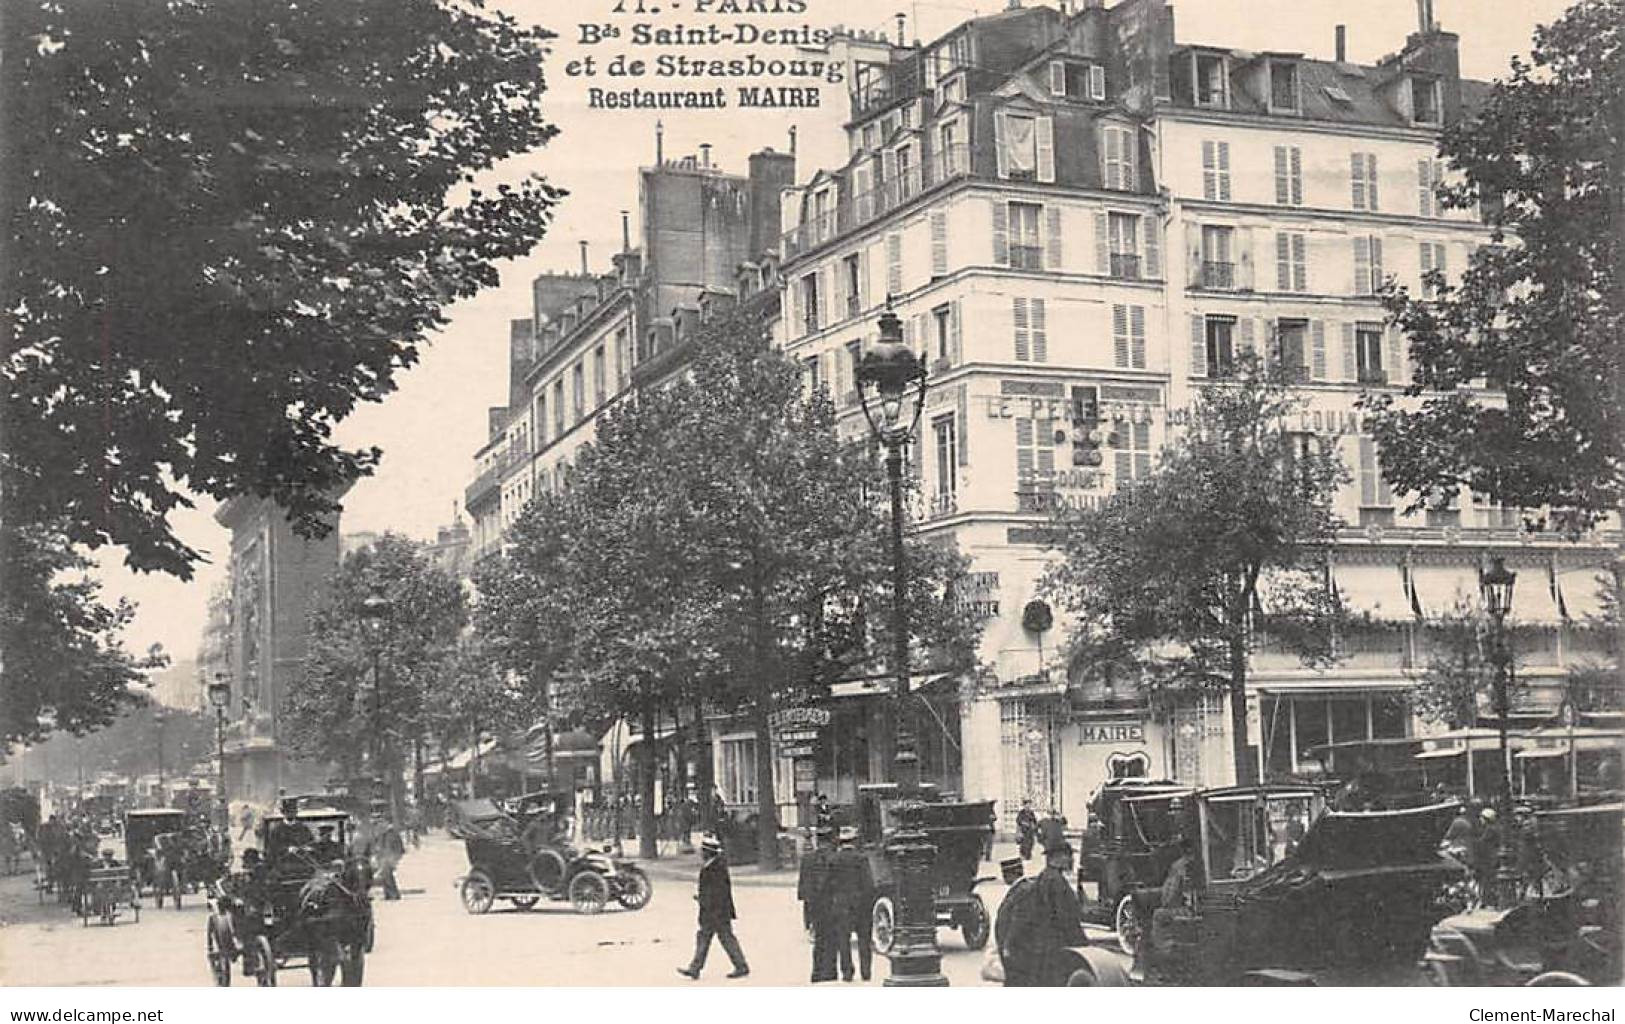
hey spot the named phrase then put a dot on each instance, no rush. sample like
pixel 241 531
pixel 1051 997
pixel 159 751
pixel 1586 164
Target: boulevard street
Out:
pixel 427 938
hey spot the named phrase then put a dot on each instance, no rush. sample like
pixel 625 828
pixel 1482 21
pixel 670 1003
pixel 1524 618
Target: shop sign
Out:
pixel 798 736
pixel 1110 732
pixel 806 771
pixel 793 718
pixel 978 594
pixel 801 751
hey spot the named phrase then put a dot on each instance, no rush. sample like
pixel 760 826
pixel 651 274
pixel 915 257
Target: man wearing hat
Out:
pixel 854 905
pixel 1050 923
pixel 816 891
pixel 716 916
pixel 1011 915
pixel 1026 828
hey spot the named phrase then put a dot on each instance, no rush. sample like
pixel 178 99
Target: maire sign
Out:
pixel 1111 732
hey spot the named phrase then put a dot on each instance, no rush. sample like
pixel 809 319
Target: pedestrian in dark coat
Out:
pixel 1011 919
pixel 1034 952
pixel 716 915
pixel 854 906
pixel 816 891
pixel 1026 828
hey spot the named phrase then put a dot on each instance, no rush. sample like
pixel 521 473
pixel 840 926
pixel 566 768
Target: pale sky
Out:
pixel 431 427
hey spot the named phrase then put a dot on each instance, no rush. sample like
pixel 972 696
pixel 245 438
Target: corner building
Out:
pixel 1082 219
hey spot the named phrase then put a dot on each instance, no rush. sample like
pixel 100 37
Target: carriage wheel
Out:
pixel 1130 925
pixel 588 892
pixel 352 966
pixel 974 926
pixel 219 959
pixel 478 892
pixel 635 891
pixel 883 925
pixel 264 962
pixel 324 963
pixel 175 886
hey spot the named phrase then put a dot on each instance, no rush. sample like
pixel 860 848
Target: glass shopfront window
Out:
pixel 738 775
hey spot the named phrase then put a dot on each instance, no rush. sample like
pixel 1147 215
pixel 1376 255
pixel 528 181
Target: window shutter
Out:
pixel 1396 355
pixel 1297 175
pixel 837 294
pixel 1224 172
pixel 1376 263
pixel 1439 260
pixel 1368 472
pixel 1300 263
pixel 1351 361
pixel 1120 339
pixel 1044 448
pixel 939 243
pixel 826 277
pixel 910 334
pixel 1198 347
pixel 1131 159
pixel 1425 264
pixel 1357 180
pixel 1052 237
pixel 1097 82
pixel 1424 187
pixel 962 398
pixel 1001 233
pixel 1024 449
pixel 864 288
pixel 797 322
pixel 922 338
pixel 1045 130
pixel 1142 449
pixel 1151 231
pixel 1122 461
pixel 1371 181
pixel 894 264
pixel 1246 278
pixel 1057 78
pixel 1317 343
pixel 956 333
pixel 1102 259
pixel 1018 314
pixel 1040 336
pixel 1244 328
pixel 1000 135
pixel 1136 323
pixel 1283 262
pixel 1193 254
pixel 1210 170
pixel 1283 191
pixel 1362 265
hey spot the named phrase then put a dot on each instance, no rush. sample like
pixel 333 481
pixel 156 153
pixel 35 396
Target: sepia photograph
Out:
pixel 758 494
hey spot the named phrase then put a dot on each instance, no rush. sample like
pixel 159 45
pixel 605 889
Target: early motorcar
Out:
pixel 141 829
pixel 1131 841
pixel 526 860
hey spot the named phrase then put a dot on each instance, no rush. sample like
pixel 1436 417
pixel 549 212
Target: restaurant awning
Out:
pixel 463 758
pixel 1539 752
pixel 1532 603
pixel 1582 591
pixel 1444 591
pixel 1375 590
pixel 1347 687
pixel 882 687
pixel 1428 755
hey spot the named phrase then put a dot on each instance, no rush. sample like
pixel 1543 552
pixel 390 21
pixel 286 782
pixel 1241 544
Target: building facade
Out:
pixel 1081 220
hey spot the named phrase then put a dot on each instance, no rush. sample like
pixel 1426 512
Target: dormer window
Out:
pixel 1212 81
pixel 951 90
pixel 1425 101
pixel 871 136
pixel 1079 81
pixel 1283 86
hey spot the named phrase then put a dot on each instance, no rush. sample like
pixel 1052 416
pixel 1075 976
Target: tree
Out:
pixel 473 695
pixel 1177 576
pixel 60 649
pixel 1460 674
pixel 366 686
pixel 1540 313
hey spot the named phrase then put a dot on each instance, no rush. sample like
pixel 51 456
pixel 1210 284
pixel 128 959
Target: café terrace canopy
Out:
pixel 1375 590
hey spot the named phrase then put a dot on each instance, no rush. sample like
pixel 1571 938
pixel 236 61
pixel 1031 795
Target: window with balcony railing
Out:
pixel 1125 265
pixel 1218 274
pixel 1368 355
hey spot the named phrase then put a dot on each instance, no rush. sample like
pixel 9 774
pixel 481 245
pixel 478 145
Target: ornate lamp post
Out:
pixel 219 697
pixel 891 370
pixel 375 613
pixel 1495 584
pixel 158 720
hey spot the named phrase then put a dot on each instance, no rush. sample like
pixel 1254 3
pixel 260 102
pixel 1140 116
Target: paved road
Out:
pixel 427 939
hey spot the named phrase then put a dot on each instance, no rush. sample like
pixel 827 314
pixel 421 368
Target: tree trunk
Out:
pixel 544 686
pixel 1245 768
pixel 704 780
pixel 417 771
pixel 767 807
pixel 646 785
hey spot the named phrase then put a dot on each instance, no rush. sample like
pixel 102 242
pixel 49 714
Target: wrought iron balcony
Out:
pixel 853 210
pixel 1125 265
pixel 1218 274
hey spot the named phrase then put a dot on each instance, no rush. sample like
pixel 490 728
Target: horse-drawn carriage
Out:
pixel 156 870
pixel 108 889
pixel 959 831
pixel 526 859
pixel 300 899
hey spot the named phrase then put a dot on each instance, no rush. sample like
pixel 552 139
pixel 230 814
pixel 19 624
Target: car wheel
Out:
pixel 478 892
pixel 1130 925
pixel 635 891
pixel 588 892
pixel 974 925
pixel 883 925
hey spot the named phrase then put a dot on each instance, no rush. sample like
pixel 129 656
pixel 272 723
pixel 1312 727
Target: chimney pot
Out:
pixel 583 257
pixel 1342 43
pixel 901 18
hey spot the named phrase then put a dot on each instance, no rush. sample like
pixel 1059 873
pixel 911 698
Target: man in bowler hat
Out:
pixel 716 898
pixel 854 905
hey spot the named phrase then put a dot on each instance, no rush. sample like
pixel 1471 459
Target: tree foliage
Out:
pixel 1176 578
pixel 1540 313
pixel 718 542
pixel 145 737
pixel 1459 680
pixel 228 224
pixel 335 710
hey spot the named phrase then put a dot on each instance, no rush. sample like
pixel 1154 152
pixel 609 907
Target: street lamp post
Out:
pixel 375 613
pixel 219 697
pixel 1496 584
pixel 892 370
pixel 158 720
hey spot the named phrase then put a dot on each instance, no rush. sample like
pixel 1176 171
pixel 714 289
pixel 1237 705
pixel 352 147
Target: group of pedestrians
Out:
pixel 837 894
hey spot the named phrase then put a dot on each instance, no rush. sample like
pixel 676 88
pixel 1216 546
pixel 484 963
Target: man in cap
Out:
pixel 854 905
pixel 816 891
pixel 716 914
pixel 1039 937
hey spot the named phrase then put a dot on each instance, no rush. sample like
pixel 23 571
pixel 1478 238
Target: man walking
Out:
pixel 816 891
pixel 854 905
pixel 716 899
pixel 386 849
pixel 247 822
pixel 1026 828
pixel 1012 918
pixel 1034 954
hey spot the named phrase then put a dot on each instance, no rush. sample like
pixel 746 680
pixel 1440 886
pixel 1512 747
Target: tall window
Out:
pixel 1216 170
pixel 541 419
pixel 947 456
pixel 1288 176
pixel 1218 270
pixel 1118 155
pixel 1291 348
pixel 1221 353
pixel 854 354
pixel 578 390
pixel 1123 231
pixel 1425 100
pixel 1026 252
pixel 1131 443
pixel 1432 258
pixel 1035 451
pixel 1020 146
pixel 948 148
pixel 739 769
pixel 942 329
pixel 598 385
pixel 1128 336
pixel 1368 275
pixel 811 373
pixel 1291 262
pixel 907 182
pixel 1031 335
pixel 1363 181
pixel 622 349
pixel 852 271
pixel 809 303
pixel 1283 86
pixel 559 414
pixel 1368 354
pixel 1212 85
pixel 1427 180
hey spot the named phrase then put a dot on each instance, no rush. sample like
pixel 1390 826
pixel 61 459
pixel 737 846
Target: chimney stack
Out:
pixel 792 140
pixel 626 232
pixel 583 257
pixel 1424 16
pixel 705 154
pixel 1342 43
pixel 900 20
pixel 660 144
